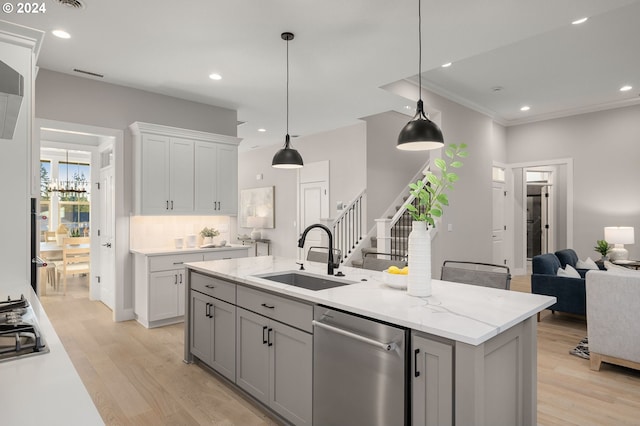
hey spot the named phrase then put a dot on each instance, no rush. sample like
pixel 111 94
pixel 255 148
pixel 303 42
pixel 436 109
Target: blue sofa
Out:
pixel 569 292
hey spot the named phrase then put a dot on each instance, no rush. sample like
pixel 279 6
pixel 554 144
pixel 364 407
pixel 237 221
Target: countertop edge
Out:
pixel 169 251
pixel 307 296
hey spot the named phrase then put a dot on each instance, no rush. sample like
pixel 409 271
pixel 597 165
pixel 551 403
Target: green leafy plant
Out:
pixel 209 232
pixel 431 195
pixel 75 232
pixel 602 247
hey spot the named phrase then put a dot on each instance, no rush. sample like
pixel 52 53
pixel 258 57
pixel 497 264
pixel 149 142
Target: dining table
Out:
pixel 50 251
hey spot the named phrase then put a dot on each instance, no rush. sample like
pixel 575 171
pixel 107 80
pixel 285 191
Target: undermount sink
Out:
pixel 309 282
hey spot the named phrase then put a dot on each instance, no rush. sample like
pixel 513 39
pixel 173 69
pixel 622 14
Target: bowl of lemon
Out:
pixel 396 277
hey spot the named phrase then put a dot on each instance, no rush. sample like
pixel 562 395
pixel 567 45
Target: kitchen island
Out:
pixel 44 389
pixel 486 373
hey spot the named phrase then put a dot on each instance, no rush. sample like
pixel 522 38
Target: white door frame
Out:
pixel 121 312
pixel 317 171
pixel 568 162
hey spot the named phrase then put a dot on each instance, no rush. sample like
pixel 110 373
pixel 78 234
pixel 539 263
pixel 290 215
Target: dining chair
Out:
pixel 382 261
pixel 75 259
pixel 476 273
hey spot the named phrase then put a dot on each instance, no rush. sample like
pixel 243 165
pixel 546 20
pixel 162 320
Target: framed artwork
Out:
pixel 257 208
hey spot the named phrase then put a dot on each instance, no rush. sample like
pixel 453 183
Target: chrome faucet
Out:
pixel 330 263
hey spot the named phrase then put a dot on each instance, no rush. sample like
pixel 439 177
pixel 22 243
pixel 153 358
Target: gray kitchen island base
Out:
pixel 472 351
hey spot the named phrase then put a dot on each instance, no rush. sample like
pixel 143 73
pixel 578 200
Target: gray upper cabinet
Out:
pixel 180 171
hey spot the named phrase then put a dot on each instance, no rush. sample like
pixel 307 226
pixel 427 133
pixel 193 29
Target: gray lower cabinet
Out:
pixel 274 364
pixel 213 333
pixel 432 382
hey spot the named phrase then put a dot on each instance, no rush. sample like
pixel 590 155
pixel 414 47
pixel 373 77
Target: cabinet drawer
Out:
pixel 164 263
pixel 296 314
pixel 213 287
pixel 225 254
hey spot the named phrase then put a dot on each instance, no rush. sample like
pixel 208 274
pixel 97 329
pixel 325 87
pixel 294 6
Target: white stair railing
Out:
pixel 395 242
pixel 347 228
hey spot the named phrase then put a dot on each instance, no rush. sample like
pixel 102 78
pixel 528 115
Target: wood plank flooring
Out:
pixel 136 376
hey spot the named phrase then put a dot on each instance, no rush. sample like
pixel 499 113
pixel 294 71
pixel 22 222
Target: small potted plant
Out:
pixel 207 235
pixel 602 247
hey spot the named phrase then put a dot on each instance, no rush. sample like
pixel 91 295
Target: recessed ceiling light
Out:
pixel 447 65
pixel 625 88
pixel 262 130
pixel 408 107
pixel 215 76
pixel 525 108
pixel 580 21
pixel 61 34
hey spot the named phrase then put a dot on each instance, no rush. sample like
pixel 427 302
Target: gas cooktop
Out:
pixel 19 333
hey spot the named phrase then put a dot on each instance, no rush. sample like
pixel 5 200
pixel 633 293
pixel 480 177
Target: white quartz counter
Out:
pixel 163 251
pixel 44 389
pixel 465 313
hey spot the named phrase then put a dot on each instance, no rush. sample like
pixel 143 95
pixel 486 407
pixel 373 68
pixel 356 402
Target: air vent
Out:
pixel 75 4
pixel 93 74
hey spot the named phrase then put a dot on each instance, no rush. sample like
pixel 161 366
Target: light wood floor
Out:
pixel 136 376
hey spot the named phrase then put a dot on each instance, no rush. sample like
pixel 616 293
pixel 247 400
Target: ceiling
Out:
pixel 347 54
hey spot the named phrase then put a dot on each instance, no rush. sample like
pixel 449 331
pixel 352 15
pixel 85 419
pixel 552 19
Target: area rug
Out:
pixel 582 350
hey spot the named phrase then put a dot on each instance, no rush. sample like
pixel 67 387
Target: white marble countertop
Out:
pixel 465 313
pixel 165 250
pixel 44 389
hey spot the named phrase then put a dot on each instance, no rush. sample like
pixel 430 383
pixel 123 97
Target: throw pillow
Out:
pixel 568 271
pixel 586 264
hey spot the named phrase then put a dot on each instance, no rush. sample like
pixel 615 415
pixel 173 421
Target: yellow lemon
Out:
pixel 404 271
pixel 393 270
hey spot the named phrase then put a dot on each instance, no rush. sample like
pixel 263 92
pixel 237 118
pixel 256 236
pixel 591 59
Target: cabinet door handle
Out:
pixel 171 204
pixel 206 310
pixel 416 373
pixel 219 208
pixel 268 306
pixel 167 208
pixel 176 279
pixel 210 286
pixel 181 278
pixel 212 310
pixel 264 338
pixel 215 205
pixel 269 337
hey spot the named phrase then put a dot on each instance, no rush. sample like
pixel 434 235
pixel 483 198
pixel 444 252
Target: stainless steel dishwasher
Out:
pixel 359 370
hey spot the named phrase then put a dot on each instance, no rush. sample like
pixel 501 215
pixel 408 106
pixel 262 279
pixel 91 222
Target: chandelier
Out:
pixel 68 187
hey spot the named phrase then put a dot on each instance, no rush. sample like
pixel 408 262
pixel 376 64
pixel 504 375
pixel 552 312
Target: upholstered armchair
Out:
pixel 613 317
pixel 570 292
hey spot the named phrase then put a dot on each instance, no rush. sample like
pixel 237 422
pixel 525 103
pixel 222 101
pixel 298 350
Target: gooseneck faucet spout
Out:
pixel 328 231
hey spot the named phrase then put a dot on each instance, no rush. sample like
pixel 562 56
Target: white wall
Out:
pixel 345 150
pixel 85 101
pixel 605 147
pixel 389 170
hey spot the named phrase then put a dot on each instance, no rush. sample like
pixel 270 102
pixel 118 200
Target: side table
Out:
pixel 632 264
pixel 246 241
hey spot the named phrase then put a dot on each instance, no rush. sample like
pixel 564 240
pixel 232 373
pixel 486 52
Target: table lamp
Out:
pixel 619 236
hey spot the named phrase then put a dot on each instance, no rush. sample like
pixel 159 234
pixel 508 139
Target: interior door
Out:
pixel 498 229
pixel 106 227
pixel 314 202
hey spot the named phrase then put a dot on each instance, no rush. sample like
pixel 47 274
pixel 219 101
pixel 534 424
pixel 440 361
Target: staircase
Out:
pixel 390 236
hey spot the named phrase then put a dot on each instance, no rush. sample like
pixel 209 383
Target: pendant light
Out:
pixel 420 134
pixel 287 157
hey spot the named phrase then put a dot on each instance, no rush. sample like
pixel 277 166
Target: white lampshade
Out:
pixel 619 234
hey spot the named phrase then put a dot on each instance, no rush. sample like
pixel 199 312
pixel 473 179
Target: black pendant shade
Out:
pixel 287 157
pixel 420 133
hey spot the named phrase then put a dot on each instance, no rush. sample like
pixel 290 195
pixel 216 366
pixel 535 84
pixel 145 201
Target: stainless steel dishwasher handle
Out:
pixel 385 346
